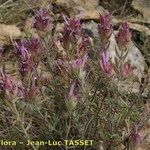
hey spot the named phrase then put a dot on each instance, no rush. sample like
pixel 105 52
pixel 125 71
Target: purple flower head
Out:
pixel 105 27
pixel 72 25
pixel 79 63
pixel 28 49
pixel 136 138
pixel 21 50
pixel 72 28
pixel 124 35
pixel 32 44
pixel 104 63
pixel 26 63
pixel 41 19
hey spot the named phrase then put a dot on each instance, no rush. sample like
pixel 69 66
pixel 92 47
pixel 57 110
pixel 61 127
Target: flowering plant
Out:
pixel 64 87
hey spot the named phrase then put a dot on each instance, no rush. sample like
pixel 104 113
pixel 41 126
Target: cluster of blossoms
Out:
pixel 76 60
pixel 123 37
pixel 105 26
pixel 28 52
pixel 41 20
pixel 78 63
pixel 74 42
pixel 73 38
pixel 24 56
pixel 107 66
pixel 71 32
